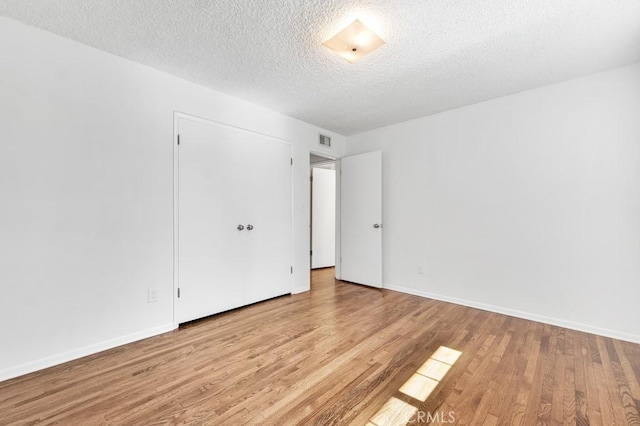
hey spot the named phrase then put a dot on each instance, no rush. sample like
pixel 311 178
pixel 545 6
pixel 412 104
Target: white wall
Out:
pixel 527 204
pixel 86 183
pixel 323 218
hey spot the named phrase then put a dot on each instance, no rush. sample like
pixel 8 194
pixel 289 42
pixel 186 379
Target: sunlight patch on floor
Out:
pixel 394 412
pixel 446 355
pixel 419 386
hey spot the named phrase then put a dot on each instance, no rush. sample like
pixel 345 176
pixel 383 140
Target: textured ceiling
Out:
pixel 440 54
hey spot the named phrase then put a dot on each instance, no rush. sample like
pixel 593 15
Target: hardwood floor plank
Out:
pixel 340 354
pixel 595 413
pixel 569 404
pixel 627 369
pixel 613 382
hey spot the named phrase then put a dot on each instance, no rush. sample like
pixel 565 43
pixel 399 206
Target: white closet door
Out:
pixel 269 249
pixel 211 205
pixel 229 178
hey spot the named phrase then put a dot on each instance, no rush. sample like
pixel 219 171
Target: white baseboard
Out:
pixel 30 367
pixel 300 290
pixel 521 314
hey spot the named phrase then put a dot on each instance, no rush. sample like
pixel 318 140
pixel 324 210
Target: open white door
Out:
pixel 361 218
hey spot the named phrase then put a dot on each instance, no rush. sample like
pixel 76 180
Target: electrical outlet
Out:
pixel 152 295
pixel 420 270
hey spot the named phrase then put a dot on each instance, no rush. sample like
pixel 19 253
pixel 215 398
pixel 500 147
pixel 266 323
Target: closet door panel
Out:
pixel 212 203
pixel 269 251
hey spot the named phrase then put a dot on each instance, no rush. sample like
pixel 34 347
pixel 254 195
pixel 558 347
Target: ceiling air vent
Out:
pixel 325 141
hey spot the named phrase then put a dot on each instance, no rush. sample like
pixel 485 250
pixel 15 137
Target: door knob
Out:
pixel 249 227
pixel 377 225
pixel 240 227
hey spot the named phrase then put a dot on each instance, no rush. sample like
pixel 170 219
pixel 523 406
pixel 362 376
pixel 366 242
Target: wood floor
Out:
pixel 340 355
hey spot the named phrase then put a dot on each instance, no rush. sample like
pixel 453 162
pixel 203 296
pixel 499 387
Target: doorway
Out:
pixel 322 250
pixel 357 216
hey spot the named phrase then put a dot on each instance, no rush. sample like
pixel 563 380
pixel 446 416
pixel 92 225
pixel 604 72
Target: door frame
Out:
pixel 336 160
pixel 177 116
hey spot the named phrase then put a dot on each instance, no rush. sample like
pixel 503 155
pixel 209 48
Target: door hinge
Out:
pixel 292 269
pixel 292 161
pixel 178 292
pixel 310 252
pixel 311 178
pixel 178 139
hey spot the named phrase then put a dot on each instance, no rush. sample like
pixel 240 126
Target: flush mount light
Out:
pixel 354 42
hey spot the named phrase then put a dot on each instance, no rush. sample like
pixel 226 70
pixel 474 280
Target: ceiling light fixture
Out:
pixel 354 42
